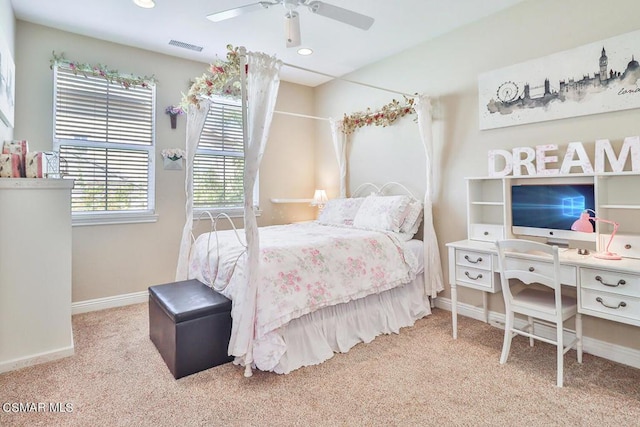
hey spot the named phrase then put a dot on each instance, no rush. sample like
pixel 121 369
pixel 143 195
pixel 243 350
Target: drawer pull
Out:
pixel 471 261
pixel 479 276
pixel 620 304
pixel 627 246
pixel 486 233
pixel 531 269
pixel 620 282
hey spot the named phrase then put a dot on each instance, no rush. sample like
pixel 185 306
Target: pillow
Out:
pixel 340 211
pixel 386 213
pixel 413 219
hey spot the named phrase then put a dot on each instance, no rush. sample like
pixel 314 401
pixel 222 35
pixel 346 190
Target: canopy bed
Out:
pixel 382 281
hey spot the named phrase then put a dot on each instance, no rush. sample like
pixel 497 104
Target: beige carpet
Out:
pixel 420 377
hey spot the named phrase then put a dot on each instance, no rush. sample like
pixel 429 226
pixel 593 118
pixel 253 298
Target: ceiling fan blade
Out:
pixel 237 11
pixel 292 29
pixel 346 16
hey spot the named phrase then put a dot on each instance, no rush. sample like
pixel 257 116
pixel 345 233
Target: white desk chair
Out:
pixel 541 306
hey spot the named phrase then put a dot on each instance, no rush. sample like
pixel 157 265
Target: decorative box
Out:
pixel 10 166
pixel 21 148
pixel 36 164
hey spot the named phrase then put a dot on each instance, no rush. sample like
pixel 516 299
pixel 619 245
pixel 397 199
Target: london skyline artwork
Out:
pixel 595 78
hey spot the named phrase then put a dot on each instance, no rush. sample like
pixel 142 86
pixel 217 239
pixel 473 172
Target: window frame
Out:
pixel 104 217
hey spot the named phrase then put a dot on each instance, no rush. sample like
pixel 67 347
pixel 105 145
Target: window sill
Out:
pixel 78 220
pixel 291 200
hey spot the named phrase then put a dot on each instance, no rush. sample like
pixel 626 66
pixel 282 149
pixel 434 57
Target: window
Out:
pixel 219 161
pixel 104 134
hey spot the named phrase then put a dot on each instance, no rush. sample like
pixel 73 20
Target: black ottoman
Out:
pixel 190 325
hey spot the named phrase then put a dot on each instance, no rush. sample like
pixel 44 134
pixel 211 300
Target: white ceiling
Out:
pixel 338 48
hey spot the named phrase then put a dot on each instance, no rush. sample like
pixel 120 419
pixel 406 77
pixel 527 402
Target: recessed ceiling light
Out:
pixel 147 4
pixel 305 51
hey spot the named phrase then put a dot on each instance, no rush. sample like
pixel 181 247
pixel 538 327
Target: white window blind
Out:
pixel 219 160
pixel 105 136
pixel 107 179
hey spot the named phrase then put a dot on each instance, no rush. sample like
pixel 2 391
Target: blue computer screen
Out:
pixel 550 206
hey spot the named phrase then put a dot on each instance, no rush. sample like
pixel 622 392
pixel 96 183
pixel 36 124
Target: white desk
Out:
pixel 605 288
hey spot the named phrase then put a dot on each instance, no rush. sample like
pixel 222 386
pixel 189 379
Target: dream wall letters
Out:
pixel 539 160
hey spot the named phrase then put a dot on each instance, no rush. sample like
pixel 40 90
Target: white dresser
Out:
pixel 35 271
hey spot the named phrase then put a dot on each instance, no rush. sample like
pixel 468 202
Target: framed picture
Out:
pixel 7 85
pixel 596 78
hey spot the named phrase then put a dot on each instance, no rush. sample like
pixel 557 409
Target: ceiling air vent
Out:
pixel 185 45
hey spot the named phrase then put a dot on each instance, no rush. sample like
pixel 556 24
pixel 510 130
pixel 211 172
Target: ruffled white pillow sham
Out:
pixel 412 221
pixel 382 213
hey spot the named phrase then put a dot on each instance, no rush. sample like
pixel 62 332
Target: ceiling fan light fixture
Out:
pixel 292 28
pixel 146 4
pixel 305 51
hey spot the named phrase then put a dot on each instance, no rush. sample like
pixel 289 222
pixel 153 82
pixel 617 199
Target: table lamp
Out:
pixel 583 224
pixel 319 199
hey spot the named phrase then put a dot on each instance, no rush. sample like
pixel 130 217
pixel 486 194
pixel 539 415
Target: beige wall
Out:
pixel 111 260
pixel 119 259
pixel 447 69
pixel 7 36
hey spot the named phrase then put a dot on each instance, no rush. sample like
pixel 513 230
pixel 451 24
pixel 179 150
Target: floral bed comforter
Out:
pixel 303 267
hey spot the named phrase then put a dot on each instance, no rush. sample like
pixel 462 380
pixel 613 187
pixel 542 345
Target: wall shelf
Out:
pixel 620 207
pixel 277 201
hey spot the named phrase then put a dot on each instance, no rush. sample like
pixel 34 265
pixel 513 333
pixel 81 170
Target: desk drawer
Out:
pixel 626 245
pixel 475 278
pixel 568 273
pixel 610 281
pixel 620 308
pixel 486 232
pixel 479 260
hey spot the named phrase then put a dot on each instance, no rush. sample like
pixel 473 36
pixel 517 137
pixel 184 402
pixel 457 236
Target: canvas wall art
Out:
pixel 7 85
pixel 596 78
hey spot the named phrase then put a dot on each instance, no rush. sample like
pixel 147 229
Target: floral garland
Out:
pixel 100 70
pixel 222 78
pixel 384 117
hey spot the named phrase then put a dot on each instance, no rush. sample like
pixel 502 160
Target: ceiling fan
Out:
pixel 292 18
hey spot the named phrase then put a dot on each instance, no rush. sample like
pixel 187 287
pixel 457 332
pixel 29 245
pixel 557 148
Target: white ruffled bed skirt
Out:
pixel 315 337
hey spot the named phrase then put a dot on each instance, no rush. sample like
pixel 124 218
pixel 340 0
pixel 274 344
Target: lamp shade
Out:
pixel 583 223
pixel 319 198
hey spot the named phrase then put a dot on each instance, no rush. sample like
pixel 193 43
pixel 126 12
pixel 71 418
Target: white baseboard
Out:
pixel 617 353
pixel 109 302
pixel 76 308
pixel 36 359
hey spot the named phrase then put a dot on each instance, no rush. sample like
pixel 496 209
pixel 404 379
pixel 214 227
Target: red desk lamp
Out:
pixel 584 224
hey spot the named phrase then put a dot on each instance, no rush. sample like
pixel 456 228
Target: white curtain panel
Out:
pixel 340 147
pixel 432 263
pixel 263 82
pixel 195 122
